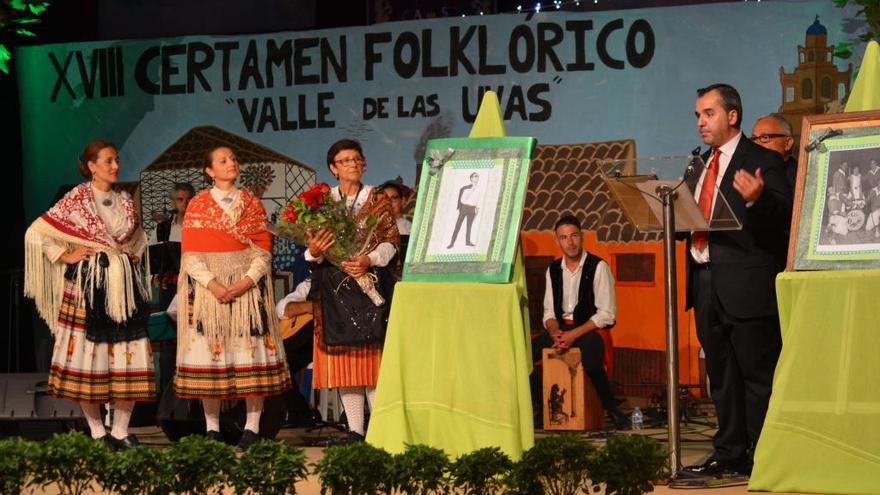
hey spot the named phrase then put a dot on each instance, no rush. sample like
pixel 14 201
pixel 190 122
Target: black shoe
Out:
pixel 106 440
pixel 621 422
pixel 247 438
pixel 354 437
pixel 469 244
pixel 214 435
pixel 118 444
pixel 715 467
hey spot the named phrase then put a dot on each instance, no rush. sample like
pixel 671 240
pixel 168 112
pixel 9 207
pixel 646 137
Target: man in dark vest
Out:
pixel 165 261
pixel 579 306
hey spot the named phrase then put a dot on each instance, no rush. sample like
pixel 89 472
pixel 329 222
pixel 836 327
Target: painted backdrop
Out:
pixel 561 77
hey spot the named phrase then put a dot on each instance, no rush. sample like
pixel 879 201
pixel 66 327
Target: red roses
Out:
pixel 314 197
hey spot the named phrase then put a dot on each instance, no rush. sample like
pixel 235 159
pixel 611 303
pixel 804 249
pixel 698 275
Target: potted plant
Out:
pixel 420 470
pixel 139 471
pixel 480 472
pixel 354 469
pixel 199 465
pixel 72 461
pixel 556 465
pixel 16 462
pixel 269 467
pixel 629 464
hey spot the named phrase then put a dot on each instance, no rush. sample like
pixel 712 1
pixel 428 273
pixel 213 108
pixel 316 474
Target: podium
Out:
pixel 663 201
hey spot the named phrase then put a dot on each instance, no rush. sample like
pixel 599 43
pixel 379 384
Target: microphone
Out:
pixel 695 154
pixel 817 142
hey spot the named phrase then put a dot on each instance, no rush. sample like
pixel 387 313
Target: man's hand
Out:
pixel 564 340
pixel 319 242
pixel 220 291
pixel 356 266
pixel 748 186
pixel 237 289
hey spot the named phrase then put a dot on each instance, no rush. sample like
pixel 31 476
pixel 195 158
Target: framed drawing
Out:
pixel 836 216
pixel 469 210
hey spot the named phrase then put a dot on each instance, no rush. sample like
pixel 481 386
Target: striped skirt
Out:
pixel 227 372
pixel 344 366
pixel 87 371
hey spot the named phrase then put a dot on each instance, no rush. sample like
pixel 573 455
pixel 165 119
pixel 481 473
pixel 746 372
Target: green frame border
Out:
pixel 813 204
pixel 511 154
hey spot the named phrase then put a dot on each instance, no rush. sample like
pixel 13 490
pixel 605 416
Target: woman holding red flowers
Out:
pixel 349 326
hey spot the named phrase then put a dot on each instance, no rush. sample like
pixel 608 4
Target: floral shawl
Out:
pixel 74 221
pixel 226 244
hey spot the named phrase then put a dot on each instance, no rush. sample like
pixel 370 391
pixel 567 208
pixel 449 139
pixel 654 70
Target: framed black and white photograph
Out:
pixel 836 215
pixel 468 210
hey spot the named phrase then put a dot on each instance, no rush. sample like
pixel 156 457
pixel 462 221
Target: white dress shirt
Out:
pixel 383 252
pixel 603 294
pixel 298 295
pixel 702 255
pixel 173 234
pixel 404 226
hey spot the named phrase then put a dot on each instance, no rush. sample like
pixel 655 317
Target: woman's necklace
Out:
pixel 354 198
pixel 227 199
pixel 108 196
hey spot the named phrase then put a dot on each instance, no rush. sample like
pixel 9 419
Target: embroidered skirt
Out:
pixel 257 369
pixel 87 371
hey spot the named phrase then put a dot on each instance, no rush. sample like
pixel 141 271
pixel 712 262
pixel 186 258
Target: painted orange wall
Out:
pixel 640 310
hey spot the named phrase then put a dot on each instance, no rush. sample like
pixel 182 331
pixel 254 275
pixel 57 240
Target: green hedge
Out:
pixel 556 465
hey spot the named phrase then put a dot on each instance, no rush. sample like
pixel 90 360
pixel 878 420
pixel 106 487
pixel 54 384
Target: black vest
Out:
pixel 586 305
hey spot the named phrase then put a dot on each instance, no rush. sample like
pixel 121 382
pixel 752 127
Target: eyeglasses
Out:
pixel 393 198
pixel 350 162
pixel 766 137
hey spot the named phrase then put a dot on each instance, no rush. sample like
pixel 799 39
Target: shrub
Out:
pixel 556 465
pixel 199 465
pixel 481 471
pixel 16 464
pixel 71 460
pixel 269 467
pixel 629 464
pixel 354 469
pixel 420 470
pixel 139 471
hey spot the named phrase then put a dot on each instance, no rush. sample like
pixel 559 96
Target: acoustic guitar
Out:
pixel 292 326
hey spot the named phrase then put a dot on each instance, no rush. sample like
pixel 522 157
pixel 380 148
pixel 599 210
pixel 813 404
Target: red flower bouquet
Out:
pixel 314 210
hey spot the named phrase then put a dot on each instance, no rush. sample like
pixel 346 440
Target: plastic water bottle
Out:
pixel 636 418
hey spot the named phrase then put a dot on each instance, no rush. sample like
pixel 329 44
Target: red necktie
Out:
pixel 707 193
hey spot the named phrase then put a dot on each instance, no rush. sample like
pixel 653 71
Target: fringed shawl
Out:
pixel 73 221
pixel 378 206
pixel 227 244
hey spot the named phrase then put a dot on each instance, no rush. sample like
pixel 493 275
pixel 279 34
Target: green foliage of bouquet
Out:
pixel 315 210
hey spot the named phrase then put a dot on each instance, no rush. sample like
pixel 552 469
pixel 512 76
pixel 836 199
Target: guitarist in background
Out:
pixel 295 313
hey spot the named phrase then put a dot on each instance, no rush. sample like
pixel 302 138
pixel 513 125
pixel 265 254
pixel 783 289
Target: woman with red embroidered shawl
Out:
pixel 82 270
pixel 229 346
pixel 344 309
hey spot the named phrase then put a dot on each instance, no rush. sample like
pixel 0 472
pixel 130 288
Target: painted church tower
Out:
pixel 816 83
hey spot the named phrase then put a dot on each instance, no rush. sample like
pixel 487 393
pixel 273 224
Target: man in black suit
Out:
pixel 467 210
pixel 731 276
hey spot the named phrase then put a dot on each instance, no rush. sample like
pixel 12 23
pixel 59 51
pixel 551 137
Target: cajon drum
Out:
pixel 570 400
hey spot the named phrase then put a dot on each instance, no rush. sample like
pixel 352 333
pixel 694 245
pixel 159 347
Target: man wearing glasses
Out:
pixel 775 133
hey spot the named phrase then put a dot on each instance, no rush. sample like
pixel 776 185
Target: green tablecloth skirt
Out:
pixel 455 369
pixel 822 433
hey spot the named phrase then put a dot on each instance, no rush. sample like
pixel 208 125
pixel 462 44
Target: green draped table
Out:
pixel 455 369
pixel 822 433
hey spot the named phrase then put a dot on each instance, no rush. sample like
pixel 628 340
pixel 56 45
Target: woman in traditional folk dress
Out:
pixel 353 367
pixel 229 346
pixel 82 270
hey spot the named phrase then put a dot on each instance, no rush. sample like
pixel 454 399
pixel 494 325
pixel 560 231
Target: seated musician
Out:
pixel 295 314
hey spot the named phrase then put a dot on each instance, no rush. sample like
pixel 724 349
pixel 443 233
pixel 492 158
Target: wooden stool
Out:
pixel 570 400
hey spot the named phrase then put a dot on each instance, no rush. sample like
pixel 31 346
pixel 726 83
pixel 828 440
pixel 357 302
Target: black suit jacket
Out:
pixel 744 263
